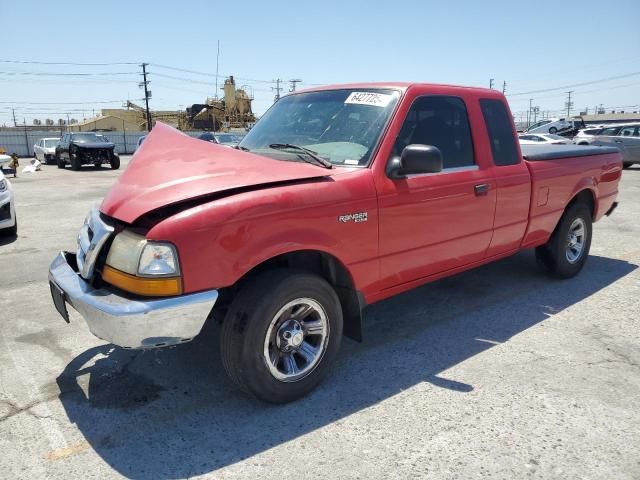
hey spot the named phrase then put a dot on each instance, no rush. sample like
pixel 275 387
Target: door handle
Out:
pixel 618 141
pixel 481 189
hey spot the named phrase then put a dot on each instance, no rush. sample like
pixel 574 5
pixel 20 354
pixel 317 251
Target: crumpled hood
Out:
pixel 171 167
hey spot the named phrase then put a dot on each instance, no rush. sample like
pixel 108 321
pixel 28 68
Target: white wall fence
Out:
pixel 21 142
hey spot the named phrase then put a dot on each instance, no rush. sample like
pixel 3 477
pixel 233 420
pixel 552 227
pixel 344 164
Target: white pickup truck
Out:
pixel 45 149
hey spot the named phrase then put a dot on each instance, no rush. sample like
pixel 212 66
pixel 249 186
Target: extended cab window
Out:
pixel 442 122
pixel 500 130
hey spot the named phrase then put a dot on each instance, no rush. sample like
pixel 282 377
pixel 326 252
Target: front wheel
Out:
pixel 115 162
pixel 59 161
pixel 281 335
pixel 75 162
pixel 626 165
pixel 553 130
pixel 566 252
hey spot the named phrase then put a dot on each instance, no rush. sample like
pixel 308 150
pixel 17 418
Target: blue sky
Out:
pixel 536 46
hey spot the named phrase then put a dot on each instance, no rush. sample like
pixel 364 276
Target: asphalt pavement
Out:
pixel 498 372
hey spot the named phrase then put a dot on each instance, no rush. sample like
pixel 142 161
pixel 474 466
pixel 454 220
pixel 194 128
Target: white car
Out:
pixel 8 221
pixel 542 139
pixel 550 125
pixel 585 135
pixel 45 149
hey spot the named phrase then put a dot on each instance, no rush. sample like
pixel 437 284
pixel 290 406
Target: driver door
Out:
pixel 433 222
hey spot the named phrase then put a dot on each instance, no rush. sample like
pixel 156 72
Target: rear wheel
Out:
pixel 281 335
pixel 626 165
pixel 567 250
pixel 553 130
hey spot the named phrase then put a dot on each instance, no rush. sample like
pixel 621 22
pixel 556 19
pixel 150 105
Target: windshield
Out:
pixel 229 139
pixel 342 126
pixel 87 137
pixel 50 143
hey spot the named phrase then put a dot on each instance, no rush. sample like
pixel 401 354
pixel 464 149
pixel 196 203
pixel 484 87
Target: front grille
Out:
pixel 92 237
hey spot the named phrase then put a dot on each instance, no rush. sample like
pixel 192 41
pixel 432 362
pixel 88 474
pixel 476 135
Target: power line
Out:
pixel 50 74
pixel 206 74
pixel 608 79
pixel 68 63
pixel 89 102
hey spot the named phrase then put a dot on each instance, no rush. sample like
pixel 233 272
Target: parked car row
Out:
pixel 8 219
pixel 626 137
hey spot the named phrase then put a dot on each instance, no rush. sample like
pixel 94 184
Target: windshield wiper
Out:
pixel 244 149
pixel 290 146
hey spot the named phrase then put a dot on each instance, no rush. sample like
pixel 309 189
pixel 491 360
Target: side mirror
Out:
pixel 415 159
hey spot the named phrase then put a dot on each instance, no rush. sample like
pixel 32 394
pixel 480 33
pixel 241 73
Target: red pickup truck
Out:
pixel 339 197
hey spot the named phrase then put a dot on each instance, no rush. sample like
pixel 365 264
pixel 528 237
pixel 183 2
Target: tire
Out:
pixel 626 165
pixel 115 162
pixel 557 256
pixel 553 130
pixel 59 162
pixel 254 334
pixel 13 231
pixel 75 163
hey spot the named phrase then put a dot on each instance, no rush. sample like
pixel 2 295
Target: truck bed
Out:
pixel 535 153
pixel 558 172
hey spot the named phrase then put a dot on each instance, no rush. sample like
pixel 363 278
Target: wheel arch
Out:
pixel 588 197
pixel 326 266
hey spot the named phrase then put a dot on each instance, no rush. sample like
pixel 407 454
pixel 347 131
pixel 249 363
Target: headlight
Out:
pixel 144 267
pixel 125 252
pixel 3 185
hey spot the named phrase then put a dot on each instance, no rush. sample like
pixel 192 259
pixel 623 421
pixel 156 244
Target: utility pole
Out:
pixel 569 103
pixel 504 87
pixel 147 94
pixel 491 83
pixel 529 112
pixel 277 88
pixel 292 84
pixel 14 117
pixel 68 124
pixel 217 64
pixel 26 138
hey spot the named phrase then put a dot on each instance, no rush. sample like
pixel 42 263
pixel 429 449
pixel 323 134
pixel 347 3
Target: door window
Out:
pixel 629 132
pixel 440 121
pixel 610 132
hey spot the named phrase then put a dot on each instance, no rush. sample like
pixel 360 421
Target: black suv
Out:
pixel 81 148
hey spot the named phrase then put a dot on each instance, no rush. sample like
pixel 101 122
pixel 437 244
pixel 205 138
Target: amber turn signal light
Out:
pixel 149 287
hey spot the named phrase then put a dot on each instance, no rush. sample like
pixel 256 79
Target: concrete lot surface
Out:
pixel 499 372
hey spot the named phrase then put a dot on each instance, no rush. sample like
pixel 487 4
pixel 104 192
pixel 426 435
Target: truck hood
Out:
pixel 171 167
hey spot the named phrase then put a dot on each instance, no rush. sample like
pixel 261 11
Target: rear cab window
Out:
pixel 500 131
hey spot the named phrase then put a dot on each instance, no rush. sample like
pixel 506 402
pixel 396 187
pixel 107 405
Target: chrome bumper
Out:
pixel 132 323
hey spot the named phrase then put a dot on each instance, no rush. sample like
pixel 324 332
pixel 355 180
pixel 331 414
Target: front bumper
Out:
pixel 131 323
pixel 7 210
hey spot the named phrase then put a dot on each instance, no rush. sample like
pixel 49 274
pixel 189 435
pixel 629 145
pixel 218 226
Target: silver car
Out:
pixel 625 137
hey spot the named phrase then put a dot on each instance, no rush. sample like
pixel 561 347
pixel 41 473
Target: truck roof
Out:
pixel 394 85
